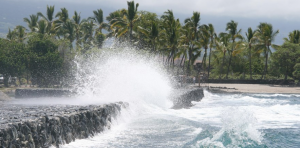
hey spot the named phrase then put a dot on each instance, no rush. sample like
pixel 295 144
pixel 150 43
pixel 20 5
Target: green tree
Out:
pixel 193 23
pixel 212 35
pixel 52 25
pixel 45 61
pixel 250 39
pixel 205 42
pixel 296 72
pixel 285 58
pixel 127 23
pixel 32 21
pixel 265 36
pixel 223 47
pixel 171 34
pixel 294 37
pixel 231 27
pixel 12 59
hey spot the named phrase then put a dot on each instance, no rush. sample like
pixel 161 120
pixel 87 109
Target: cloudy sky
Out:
pixel 282 14
pixel 283 9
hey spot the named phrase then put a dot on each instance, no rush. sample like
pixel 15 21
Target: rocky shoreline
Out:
pixel 45 126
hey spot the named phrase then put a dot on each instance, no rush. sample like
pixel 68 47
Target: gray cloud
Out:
pixel 283 9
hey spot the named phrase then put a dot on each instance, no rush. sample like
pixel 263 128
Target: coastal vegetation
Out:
pixel 43 51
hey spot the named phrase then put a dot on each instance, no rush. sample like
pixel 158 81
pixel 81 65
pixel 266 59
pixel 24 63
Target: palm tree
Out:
pixel 63 18
pixel 112 18
pixel 231 27
pixel 63 15
pixel 32 21
pixel 20 33
pixel 49 17
pixel 204 41
pixel 152 34
pixel 78 27
pixel 42 27
pixel 171 34
pixel 222 45
pixel 11 35
pixel 294 37
pixel 88 31
pixel 212 35
pixel 265 36
pixel 98 18
pixel 193 23
pixel 131 15
pixel 126 23
pixel 250 39
pixel 69 31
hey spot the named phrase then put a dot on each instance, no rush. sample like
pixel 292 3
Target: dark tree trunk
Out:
pixel 250 62
pixel 204 60
pixel 230 57
pixel 209 63
pixel 222 65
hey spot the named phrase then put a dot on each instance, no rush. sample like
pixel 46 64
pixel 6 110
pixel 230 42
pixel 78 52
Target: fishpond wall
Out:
pixel 45 126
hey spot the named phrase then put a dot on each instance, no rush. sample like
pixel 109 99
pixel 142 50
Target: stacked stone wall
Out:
pixel 45 126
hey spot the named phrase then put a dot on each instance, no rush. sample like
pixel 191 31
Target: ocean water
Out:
pixel 219 120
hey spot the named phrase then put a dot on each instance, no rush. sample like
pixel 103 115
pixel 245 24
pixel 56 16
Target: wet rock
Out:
pixel 45 126
pixel 185 100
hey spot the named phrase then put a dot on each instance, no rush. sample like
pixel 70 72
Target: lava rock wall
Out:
pixel 57 125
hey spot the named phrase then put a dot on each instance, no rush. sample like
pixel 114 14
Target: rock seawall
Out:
pixel 42 92
pixel 45 126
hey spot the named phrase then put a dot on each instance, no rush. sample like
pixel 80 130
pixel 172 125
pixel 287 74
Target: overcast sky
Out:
pixel 282 14
pixel 283 9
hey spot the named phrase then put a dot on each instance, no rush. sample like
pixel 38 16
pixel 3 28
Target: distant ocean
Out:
pixel 219 120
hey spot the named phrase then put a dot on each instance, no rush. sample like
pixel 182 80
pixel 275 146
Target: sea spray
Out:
pixel 238 130
pixel 122 75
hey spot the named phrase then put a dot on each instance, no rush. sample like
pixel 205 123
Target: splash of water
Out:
pixel 121 75
pixel 238 130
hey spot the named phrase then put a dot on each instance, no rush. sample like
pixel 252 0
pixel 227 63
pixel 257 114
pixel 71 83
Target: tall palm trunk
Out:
pixel 209 63
pixel 222 65
pixel 204 60
pixel 250 62
pixel 189 62
pixel 266 66
pixel 230 57
pixel 130 34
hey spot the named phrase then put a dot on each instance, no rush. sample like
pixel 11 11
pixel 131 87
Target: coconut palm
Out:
pixel 193 23
pixel 98 18
pixel 78 27
pixel 32 21
pixel 171 34
pixel 294 37
pixel 204 37
pixel 265 36
pixel 88 31
pixel 212 34
pixel 11 35
pixel 49 17
pixel 63 15
pixel 151 34
pixel 20 33
pixel 127 22
pixel 222 46
pixel 69 31
pixel 250 39
pixel 42 27
pixel 112 18
pixel 231 27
